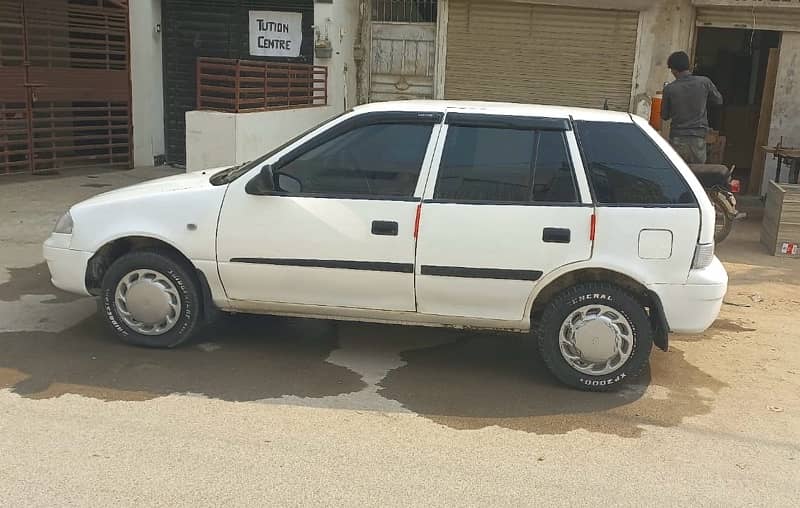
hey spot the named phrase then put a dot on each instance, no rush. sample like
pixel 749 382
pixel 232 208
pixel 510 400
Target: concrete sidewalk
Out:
pixel 31 205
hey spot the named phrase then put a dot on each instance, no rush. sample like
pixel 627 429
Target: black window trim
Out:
pixel 358 121
pixel 345 197
pixel 476 202
pixel 525 123
pixel 586 170
pixel 578 203
pixel 355 122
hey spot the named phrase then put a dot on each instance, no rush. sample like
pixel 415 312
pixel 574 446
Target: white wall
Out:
pixel 786 108
pixel 210 139
pixel 146 81
pixel 666 26
pixel 339 21
pixel 216 139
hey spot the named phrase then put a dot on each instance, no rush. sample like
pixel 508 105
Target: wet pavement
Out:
pixel 415 411
pixel 464 380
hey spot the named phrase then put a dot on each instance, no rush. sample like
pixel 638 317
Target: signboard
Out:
pixel 276 33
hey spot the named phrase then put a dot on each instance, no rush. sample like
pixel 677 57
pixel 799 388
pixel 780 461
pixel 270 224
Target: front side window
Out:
pixel 627 168
pixel 505 165
pixel 373 160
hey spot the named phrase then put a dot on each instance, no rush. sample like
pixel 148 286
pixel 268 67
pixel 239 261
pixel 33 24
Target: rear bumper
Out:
pixel 694 306
pixel 67 267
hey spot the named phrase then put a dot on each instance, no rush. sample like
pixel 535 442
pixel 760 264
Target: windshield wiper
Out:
pixel 225 176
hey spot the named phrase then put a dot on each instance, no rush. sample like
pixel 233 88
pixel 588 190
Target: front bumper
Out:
pixel 67 266
pixel 693 307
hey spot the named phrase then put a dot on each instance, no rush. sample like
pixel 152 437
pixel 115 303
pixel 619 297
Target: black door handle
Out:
pixel 384 228
pixel 556 235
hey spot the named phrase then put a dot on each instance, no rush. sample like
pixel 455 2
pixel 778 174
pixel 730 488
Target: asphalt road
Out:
pixel 277 411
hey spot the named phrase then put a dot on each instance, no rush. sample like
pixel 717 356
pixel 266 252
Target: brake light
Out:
pixel 703 255
pixel 736 186
pixel 592 227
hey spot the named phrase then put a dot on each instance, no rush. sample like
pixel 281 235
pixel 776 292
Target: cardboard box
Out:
pixel 780 230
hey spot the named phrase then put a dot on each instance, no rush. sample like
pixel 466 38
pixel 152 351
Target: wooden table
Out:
pixel 785 154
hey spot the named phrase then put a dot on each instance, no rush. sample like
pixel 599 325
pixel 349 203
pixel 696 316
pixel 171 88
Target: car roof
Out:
pixel 498 108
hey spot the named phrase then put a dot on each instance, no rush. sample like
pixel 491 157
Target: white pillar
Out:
pixel 146 81
pixel 338 22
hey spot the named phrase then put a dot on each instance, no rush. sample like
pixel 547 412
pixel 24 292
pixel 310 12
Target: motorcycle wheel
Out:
pixel 724 222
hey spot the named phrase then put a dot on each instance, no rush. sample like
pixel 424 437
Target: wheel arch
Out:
pixel 558 282
pixel 112 250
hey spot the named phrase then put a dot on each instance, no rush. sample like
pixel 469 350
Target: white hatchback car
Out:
pixel 581 226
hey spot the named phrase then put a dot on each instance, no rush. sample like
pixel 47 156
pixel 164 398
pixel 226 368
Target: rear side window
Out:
pixel 485 164
pixel 627 168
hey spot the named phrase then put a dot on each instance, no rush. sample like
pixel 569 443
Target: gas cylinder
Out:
pixel 655 111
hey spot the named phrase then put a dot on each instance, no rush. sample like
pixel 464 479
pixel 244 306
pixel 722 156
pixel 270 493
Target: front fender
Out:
pixel 184 219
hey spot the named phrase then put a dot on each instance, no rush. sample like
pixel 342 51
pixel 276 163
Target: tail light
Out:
pixel 736 186
pixel 703 255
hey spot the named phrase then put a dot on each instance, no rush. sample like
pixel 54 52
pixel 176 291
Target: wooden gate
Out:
pixel 403 49
pixel 64 85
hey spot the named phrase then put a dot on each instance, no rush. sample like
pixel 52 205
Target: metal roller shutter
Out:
pixel 64 85
pixel 759 18
pixel 519 52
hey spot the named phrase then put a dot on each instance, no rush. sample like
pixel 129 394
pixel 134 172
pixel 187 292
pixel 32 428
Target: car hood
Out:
pixel 186 181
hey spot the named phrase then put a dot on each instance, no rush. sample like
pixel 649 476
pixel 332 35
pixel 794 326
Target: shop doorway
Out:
pixel 737 61
pixel 403 49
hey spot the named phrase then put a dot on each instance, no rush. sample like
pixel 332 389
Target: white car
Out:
pixel 583 227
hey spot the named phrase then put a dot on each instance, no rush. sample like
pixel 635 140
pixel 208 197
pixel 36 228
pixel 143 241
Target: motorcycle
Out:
pixel 720 186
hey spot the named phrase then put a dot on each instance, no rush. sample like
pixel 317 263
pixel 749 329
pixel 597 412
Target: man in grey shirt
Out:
pixel 686 103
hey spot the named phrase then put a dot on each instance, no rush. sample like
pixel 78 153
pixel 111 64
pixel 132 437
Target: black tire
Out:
pixel 724 222
pixel 172 268
pixel 548 328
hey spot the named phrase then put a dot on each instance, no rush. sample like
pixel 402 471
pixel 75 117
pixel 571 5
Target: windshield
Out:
pixel 228 175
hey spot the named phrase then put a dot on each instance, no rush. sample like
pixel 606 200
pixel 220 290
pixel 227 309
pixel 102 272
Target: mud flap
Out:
pixel 209 311
pixel 658 319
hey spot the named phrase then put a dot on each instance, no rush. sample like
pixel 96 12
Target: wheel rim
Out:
pixel 596 340
pixel 148 302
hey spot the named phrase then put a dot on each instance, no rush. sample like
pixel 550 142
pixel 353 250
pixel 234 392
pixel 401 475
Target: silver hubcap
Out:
pixel 148 302
pixel 596 340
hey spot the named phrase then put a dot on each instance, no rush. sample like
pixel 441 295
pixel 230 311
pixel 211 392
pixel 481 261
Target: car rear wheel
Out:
pixel 149 298
pixel 594 336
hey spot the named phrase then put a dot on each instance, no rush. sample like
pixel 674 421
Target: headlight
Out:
pixel 64 224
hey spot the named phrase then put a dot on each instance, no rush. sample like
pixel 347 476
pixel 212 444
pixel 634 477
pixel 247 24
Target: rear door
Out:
pixel 504 207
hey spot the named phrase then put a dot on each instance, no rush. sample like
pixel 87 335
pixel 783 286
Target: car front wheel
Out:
pixel 594 336
pixel 149 298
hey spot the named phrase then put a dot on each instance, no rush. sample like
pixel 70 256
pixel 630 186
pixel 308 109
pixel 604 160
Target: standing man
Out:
pixel 686 103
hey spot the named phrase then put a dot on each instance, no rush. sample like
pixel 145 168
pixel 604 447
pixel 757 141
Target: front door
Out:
pixel 503 210
pixel 344 235
pixel 403 50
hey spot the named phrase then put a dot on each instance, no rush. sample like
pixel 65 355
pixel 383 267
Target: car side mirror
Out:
pixel 263 183
pixel 288 183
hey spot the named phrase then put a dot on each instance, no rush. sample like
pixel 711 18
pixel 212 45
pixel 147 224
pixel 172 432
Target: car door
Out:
pixel 504 207
pixel 342 235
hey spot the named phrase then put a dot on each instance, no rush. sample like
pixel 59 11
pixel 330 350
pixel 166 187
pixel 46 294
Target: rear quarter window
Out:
pixel 626 168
